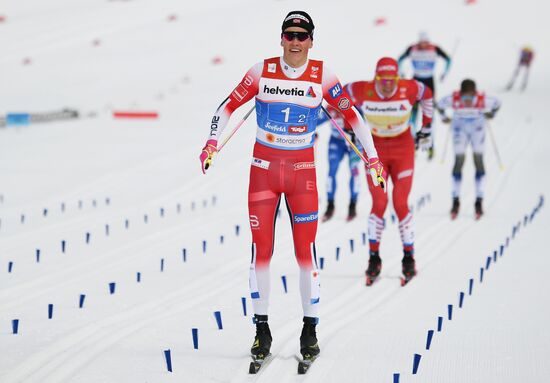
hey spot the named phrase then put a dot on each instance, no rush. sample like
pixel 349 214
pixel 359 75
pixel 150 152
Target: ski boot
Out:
pixel 454 209
pixel 408 267
pixel 262 343
pixel 309 347
pixel 431 153
pixel 329 212
pixel 375 266
pixel 352 211
pixel 478 208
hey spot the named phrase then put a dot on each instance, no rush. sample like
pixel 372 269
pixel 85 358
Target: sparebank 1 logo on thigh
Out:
pixel 306 218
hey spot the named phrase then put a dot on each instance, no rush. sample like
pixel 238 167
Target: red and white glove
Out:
pixel 377 172
pixel 208 152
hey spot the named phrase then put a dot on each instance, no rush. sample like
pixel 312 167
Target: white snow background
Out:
pixel 122 170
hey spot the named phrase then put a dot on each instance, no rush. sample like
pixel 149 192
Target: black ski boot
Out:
pixel 454 209
pixel 262 342
pixel 309 347
pixel 478 207
pixel 408 267
pixel 431 152
pixel 329 212
pixel 352 211
pixel 375 266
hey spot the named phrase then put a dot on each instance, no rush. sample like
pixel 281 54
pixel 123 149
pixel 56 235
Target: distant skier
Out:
pixel 471 109
pixel 288 91
pixel 338 148
pixel 424 56
pixel 525 58
pixel 386 104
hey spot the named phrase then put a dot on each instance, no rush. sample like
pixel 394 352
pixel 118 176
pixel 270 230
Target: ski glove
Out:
pixel 424 137
pixel 489 115
pixel 377 172
pixel 210 149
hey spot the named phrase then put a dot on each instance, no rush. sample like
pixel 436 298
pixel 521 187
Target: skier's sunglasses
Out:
pixel 387 79
pixel 467 97
pixel 301 36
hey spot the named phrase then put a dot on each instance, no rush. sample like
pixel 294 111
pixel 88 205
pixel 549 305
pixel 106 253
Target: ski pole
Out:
pixel 351 144
pixel 493 141
pixel 236 128
pixel 445 146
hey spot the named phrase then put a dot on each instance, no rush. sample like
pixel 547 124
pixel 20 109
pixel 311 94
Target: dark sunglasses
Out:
pixel 301 36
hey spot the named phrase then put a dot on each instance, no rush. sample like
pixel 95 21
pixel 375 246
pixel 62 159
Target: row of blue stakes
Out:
pixel 499 252
pixel 62 207
pixel 217 314
pixel 88 235
pixel 422 201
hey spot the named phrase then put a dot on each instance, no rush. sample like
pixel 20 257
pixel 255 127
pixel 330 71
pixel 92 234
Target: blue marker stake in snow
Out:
pixel 195 334
pixel 15 326
pixel 396 378
pixel 495 254
pixel 50 311
pixel 193 205
pixel 460 299
pixel 221 239
pixel 81 300
pixel 107 201
pixel 525 220
pixel 481 275
pixel 237 230
pixel 204 247
pixel 218 316
pixel 322 262
pixel 471 286
pixel 184 255
pixel 283 278
pixel 45 212
pixel 87 237
pixel 439 324
pixel 204 203
pixel 337 253
pixel 178 208
pixel 107 230
pixel 126 224
pixel 112 286
pixel 37 255
pixel 138 277
pixel 243 302
pixel 507 241
pixel 161 265
pixel 450 312
pixel 63 245
pixel 351 244
pixel 18 119
pixel 168 359
pixel 416 363
pixel 10 266
pixel 22 218
pixel 145 218
pixel 214 199
pixel 94 203
pixel 429 339
pixel 364 238
pixel 488 263
pixel 80 204
pixel 501 250
pixel 162 212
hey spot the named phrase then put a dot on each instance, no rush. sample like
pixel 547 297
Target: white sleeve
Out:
pixel 445 103
pixel 491 103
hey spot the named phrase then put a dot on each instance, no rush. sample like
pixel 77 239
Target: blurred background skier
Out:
pixel 338 148
pixel 471 109
pixel 526 56
pixel 386 104
pixel 423 56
